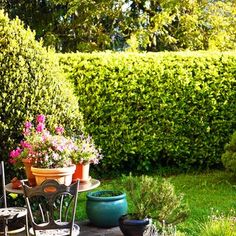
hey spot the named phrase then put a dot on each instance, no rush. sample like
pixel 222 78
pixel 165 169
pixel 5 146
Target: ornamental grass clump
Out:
pixel 44 149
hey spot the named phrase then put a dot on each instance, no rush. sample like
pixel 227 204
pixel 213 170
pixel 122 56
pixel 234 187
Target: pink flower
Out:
pixel 15 153
pixel 26 132
pixel 46 135
pixel 28 125
pixel 59 130
pixel 40 118
pixel 40 127
pixel 25 144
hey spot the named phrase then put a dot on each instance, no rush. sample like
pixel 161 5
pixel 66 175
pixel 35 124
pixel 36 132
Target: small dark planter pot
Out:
pixel 104 208
pixel 130 226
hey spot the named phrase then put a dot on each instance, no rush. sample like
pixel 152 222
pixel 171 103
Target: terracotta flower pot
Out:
pixel 62 175
pixel 81 173
pixel 31 178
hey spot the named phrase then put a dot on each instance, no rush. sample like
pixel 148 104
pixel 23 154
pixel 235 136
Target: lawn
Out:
pixel 214 190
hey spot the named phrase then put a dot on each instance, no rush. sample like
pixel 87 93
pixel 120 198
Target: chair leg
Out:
pixel 5 227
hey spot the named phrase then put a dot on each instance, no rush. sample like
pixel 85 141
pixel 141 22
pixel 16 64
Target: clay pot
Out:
pixel 81 173
pixel 31 178
pixel 62 175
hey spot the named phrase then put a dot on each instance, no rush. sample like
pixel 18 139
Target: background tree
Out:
pixel 46 18
pixel 146 25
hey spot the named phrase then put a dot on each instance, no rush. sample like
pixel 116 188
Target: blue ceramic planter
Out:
pixel 104 210
pixel 130 226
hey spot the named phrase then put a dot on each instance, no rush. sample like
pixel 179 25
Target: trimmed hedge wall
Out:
pixel 146 110
pixel 31 83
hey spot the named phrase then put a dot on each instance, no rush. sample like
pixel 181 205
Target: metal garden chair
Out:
pixel 11 215
pixel 52 208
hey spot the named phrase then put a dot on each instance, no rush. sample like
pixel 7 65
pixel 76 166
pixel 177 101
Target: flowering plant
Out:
pixel 86 152
pixel 46 150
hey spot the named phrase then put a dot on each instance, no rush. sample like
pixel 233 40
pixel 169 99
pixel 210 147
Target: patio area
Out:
pixel 88 230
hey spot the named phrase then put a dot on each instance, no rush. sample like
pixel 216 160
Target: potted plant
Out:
pixel 85 154
pixel 47 155
pixel 153 200
pixel 105 207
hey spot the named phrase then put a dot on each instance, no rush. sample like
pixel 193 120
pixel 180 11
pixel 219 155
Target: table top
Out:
pixel 83 187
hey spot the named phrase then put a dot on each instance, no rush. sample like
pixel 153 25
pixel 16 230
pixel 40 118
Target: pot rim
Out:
pixel 53 170
pixel 92 195
pixel 127 219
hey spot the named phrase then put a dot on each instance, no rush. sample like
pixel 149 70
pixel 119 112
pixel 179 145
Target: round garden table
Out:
pixel 83 187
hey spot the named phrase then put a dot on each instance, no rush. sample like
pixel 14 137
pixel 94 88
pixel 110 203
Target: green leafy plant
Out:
pixel 229 156
pixel 155 198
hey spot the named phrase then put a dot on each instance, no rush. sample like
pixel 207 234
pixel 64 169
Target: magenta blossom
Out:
pixel 59 130
pixel 25 144
pixel 15 153
pixel 40 127
pixel 40 118
pixel 28 125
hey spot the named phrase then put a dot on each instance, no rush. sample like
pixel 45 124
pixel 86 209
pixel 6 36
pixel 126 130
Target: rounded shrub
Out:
pixel 31 83
pixel 229 156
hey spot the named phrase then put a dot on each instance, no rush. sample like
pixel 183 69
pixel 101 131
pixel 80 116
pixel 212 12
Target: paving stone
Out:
pixel 87 229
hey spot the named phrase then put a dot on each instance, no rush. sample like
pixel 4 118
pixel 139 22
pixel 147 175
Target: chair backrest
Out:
pixel 2 174
pixel 51 205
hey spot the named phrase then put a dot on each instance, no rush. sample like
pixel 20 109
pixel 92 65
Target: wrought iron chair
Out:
pixel 52 208
pixel 9 216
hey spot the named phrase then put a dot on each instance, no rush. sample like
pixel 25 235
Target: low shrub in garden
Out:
pixel 147 110
pixel 155 198
pixel 229 156
pixel 31 83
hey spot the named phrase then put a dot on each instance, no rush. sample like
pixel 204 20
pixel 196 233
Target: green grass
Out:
pixel 203 192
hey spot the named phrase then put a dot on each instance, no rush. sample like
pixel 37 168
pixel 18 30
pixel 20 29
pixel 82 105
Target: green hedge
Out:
pixel 146 110
pixel 31 83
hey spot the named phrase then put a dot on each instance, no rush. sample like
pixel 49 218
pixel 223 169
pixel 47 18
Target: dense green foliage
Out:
pixel 31 84
pixel 147 25
pixel 145 110
pixel 229 156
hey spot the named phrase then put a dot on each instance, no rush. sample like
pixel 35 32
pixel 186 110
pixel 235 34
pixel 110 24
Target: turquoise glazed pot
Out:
pixel 104 208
